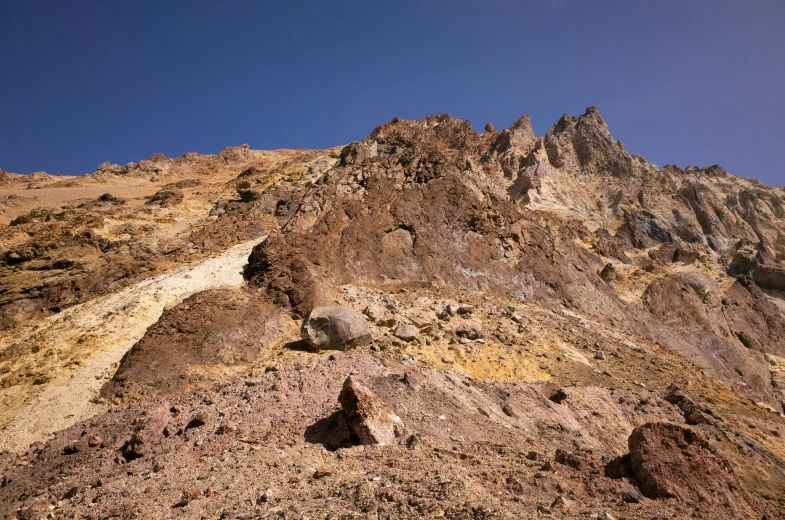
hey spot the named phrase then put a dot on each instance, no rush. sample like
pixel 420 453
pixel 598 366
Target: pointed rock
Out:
pixel 584 144
pixel 369 418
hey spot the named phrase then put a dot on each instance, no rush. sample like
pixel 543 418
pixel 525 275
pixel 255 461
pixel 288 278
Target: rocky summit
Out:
pixel 430 322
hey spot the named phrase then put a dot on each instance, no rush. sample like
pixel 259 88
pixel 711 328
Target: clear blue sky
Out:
pixel 684 82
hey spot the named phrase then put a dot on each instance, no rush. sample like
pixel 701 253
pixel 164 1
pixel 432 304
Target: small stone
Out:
pixel 632 497
pixel 406 332
pixel 321 472
pixel 599 354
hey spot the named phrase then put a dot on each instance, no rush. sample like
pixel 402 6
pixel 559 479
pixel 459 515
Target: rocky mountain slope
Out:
pixel 532 326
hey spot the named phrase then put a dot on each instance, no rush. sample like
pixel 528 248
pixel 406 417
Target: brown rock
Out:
pixel 148 433
pixel 166 198
pixel 670 461
pixel 369 418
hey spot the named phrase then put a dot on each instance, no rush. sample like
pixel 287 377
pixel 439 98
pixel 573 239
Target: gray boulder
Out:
pixel 335 328
pixel 406 332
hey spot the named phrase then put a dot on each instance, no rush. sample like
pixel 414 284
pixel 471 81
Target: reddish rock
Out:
pixel 670 461
pixel 369 418
pixel 148 433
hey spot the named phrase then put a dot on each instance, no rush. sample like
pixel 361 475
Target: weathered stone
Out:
pixel 670 461
pixel 406 332
pixel 369 418
pixel 149 432
pixel 335 328
pixel 469 329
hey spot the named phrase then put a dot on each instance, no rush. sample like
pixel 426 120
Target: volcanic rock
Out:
pixel 148 433
pixel 670 461
pixel 370 419
pixel 406 332
pixel 335 328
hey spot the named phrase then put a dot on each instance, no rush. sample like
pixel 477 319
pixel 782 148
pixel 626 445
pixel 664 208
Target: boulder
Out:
pixel 670 461
pixel 335 328
pixel 369 418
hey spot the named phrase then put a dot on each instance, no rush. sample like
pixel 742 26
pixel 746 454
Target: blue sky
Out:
pixel 682 82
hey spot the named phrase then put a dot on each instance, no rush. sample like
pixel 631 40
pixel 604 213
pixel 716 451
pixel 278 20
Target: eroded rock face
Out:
pixel 370 419
pixel 670 461
pixel 335 328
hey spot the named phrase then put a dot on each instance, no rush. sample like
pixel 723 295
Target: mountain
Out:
pixel 427 323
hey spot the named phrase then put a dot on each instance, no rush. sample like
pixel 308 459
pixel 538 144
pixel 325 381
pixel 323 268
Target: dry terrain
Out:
pixel 534 326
